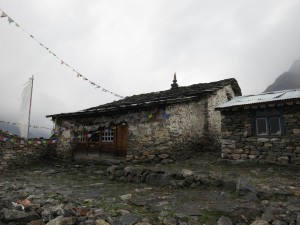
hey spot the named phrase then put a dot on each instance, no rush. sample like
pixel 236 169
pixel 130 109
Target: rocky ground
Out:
pixel 202 190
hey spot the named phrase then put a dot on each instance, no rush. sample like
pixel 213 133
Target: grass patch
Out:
pixel 210 217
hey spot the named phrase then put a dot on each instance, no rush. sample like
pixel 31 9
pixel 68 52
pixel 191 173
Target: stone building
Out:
pixel 262 127
pixel 155 126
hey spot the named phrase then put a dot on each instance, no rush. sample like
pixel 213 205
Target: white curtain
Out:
pixel 24 109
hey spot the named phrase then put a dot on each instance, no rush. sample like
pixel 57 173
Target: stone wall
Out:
pixel 214 116
pixel 153 134
pixel 239 141
pixel 14 154
pixel 180 133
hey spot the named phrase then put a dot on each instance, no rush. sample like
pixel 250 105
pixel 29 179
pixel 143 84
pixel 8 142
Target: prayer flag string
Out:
pixel 31 126
pixel 62 62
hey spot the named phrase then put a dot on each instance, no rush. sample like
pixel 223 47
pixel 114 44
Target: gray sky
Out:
pixel 135 46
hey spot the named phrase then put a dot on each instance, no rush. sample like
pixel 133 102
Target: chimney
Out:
pixel 174 85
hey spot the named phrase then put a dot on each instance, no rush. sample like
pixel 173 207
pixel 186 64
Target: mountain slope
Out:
pixel 287 80
pixel 33 133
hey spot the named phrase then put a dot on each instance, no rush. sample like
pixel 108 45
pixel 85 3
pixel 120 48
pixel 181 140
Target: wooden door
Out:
pixel 121 141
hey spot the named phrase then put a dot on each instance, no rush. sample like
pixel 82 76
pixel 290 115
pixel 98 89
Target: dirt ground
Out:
pixel 87 186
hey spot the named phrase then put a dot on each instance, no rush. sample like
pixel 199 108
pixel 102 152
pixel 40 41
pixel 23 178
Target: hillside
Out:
pixel 33 133
pixel 287 80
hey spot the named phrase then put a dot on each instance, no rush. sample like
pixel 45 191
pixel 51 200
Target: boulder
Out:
pixel 21 216
pixel 187 173
pixel 279 222
pixel 101 222
pixel 158 179
pixel 136 171
pixel 267 215
pixel 60 220
pixel 245 187
pixel 36 222
pixel 260 222
pixel 178 183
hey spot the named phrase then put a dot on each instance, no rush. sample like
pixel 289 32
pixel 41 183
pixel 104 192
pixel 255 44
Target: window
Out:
pixel 275 128
pixel 108 135
pixel 261 126
pixel 94 136
pixel 82 136
pixel 268 126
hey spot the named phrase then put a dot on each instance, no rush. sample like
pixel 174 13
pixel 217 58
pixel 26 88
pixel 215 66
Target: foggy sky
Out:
pixel 135 46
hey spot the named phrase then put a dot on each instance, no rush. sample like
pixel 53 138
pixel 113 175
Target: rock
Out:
pixel 298 219
pixel 119 173
pixel 36 222
pixel 163 156
pixel 267 215
pixel 101 222
pixel 135 171
pixel 129 219
pixel 264 202
pixel 170 221
pixel 81 219
pixel 143 223
pixel 296 131
pixel 187 173
pixel 158 206
pixel 178 183
pixel 125 197
pixel 17 206
pixel 89 222
pixel 279 222
pixel 189 180
pixel 293 204
pixel 123 212
pixel 263 139
pixel 244 187
pixel 158 179
pixel 16 215
pixel 60 220
pixel 224 221
pixel 283 159
pixel 167 161
pixel 111 169
pixel 260 222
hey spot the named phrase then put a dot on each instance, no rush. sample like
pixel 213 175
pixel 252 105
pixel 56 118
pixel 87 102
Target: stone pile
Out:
pixel 33 211
pixel 159 176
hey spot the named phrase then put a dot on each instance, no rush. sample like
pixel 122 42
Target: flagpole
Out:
pixel 30 106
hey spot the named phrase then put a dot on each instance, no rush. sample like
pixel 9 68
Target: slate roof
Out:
pixel 266 97
pixel 172 96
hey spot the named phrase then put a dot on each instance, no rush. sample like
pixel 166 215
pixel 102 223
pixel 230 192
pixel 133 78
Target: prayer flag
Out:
pixel 10 20
pixel 25 109
pixel 3 14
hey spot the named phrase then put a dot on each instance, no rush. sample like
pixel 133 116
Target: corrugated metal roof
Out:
pixel 262 98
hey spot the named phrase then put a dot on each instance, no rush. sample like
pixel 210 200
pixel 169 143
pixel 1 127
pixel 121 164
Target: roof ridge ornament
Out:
pixel 174 85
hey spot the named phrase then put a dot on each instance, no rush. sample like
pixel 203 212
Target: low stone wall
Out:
pixel 239 141
pixel 162 177
pixel 14 154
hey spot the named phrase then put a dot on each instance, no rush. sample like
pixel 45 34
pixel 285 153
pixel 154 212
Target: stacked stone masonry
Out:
pixel 13 154
pixel 239 141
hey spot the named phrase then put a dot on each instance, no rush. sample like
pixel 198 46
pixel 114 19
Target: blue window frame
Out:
pixel 268 123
